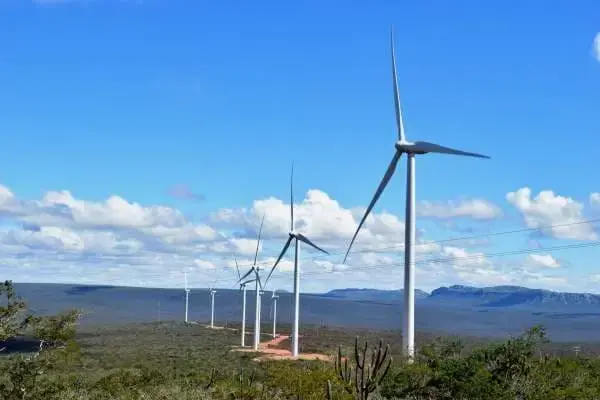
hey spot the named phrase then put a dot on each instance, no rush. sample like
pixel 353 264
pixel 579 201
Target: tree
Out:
pixel 21 372
pixel 10 325
pixel 56 330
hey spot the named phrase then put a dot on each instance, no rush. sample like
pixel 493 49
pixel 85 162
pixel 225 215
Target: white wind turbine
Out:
pixel 297 238
pixel 187 296
pixel 257 288
pixel 243 289
pixel 212 306
pixel 274 298
pixel 411 149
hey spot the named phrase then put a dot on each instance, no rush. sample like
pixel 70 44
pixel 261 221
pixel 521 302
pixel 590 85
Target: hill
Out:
pixel 512 296
pixel 457 310
pixel 354 294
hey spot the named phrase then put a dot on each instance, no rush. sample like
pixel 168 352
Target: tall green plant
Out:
pixel 11 324
pixel 20 373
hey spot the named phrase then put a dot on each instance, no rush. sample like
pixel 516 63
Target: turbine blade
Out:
pixel 386 178
pixel 237 267
pixel 185 277
pixel 399 123
pixel 258 279
pixel 304 239
pixel 248 281
pixel 287 244
pixel 427 147
pixel 292 199
pixel 258 241
pixel 246 274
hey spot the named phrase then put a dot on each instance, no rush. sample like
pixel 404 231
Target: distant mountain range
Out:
pixel 372 294
pixel 487 311
pixel 494 296
pixel 511 296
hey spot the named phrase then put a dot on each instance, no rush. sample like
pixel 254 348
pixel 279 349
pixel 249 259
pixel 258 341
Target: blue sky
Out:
pixel 128 98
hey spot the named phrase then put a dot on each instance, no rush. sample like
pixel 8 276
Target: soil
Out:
pixel 271 351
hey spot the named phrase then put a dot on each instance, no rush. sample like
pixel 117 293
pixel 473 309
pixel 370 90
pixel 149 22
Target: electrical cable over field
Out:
pixel 442 241
pixel 452 259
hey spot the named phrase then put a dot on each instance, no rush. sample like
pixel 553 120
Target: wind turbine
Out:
pixel 243 288
pixel 274 298
pixel 212 306
pixel 297 238
pixel 410 149
pixel 187 296
pixel 257 288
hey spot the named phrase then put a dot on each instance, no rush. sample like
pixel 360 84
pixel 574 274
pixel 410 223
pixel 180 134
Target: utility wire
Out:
pixel 381 249
pixel 468 258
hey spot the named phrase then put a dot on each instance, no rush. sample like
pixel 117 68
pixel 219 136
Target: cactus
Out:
pixel 365 378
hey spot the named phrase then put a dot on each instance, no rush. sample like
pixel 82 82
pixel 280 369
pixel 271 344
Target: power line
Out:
pixel 467 258
pixel 381 249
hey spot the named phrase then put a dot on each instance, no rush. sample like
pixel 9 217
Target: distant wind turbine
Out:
pixel 297 238
pixel 212 307
pixel 243 289
pixel 257 288
pixel 187 297
pixel 411 149
pixel 274 298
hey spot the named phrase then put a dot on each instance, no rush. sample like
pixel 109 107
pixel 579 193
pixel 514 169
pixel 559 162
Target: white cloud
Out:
pixel 596 47
pixel 203 264
pixel 595 201
pixel 542 280
pixel 474 208
pixel 317 216
pixel 547 210
pixel 461 258
pixel 61 238
pixel 542 260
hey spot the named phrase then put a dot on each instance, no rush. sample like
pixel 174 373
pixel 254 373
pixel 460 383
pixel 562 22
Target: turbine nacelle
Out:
pixel 420 147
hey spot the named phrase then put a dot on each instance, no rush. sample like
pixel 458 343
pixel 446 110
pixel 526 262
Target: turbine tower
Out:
pixel 297 238
pixel 212 307
pixel 257 288
pixel 274 298
pixel 402 146
pixel 187 297
pixel 243 289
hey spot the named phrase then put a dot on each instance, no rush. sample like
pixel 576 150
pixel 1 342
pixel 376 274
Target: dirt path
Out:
pixel 271 352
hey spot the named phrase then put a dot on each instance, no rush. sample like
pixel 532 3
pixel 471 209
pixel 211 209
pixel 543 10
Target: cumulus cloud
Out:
pixel 317 216
pixel 542 260
pixel 556 216
pixel 462 258
pixel 62 238
pixel 595 201
pixel 477 209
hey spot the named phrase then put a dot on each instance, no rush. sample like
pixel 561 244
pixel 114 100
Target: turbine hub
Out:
pixel 407 147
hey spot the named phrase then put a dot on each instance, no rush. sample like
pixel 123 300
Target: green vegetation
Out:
pixel 178 361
